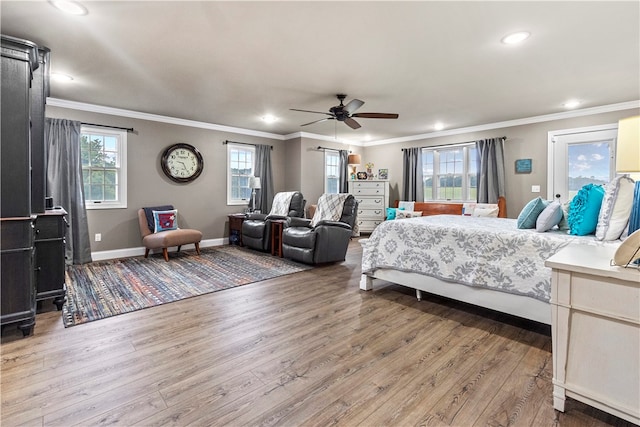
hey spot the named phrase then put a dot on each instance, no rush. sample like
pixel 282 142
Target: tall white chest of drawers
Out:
pixel 373 199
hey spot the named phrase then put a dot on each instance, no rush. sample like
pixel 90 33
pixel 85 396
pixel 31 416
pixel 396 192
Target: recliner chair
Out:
pixel 326 242
pixel 256 228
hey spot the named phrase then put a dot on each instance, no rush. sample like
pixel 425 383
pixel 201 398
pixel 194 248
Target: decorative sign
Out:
pixel 523 166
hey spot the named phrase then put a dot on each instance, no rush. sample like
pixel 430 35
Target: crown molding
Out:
pixel 73 105
pixel 516 122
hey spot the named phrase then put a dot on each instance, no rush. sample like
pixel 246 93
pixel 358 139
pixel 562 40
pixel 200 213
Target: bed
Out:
pixel 487 262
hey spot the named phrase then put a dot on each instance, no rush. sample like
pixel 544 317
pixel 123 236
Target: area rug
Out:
pixel 107 288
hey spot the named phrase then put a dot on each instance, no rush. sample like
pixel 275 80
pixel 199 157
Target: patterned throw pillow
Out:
pixel 400 214
pixel 165 220
pixel 529 214
pixel 615 209
pixel 584 210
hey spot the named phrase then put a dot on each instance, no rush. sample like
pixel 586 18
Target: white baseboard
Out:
pixel 139 251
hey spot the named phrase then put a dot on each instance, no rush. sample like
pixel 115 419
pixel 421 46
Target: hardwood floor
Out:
pixel 305 349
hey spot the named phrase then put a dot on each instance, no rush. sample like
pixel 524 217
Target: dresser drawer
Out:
pixel 370 202
pixel 368 224
pixel 368 192
pixel 371 213
pixel 368 185
pixel 50 227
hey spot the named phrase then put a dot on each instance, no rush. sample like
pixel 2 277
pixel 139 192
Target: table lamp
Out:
pixel 354 160
pixel 254 184
pixel 628 161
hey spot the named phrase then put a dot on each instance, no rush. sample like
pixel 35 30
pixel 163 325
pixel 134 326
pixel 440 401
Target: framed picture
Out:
pixel 383 174
pixel 523 166
pixel 361 175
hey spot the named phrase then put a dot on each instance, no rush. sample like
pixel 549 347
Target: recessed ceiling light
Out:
pixel 438 126
pixel 516 37
pixel 571 104
pixel 269 118
pixel 69 6
pixel 59 77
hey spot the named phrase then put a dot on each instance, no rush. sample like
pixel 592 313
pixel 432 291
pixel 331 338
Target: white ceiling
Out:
pixel 230 63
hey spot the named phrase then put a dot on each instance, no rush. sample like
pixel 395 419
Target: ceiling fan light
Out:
pixel 516 38
pixel 268 118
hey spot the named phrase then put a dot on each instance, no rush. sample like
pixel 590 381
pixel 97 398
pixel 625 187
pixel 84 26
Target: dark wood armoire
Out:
pixel 31 238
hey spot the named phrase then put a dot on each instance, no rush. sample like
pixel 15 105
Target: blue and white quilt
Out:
pixel 486 252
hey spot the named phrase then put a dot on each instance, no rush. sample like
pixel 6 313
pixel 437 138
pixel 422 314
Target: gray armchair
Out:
pixel 326 242
pixel 256 228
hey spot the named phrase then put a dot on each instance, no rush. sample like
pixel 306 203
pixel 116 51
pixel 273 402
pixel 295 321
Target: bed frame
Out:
pixel 435 208
pixel 516 305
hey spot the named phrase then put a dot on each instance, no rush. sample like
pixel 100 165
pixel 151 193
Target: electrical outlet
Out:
pixel 535 188
pixel 98 237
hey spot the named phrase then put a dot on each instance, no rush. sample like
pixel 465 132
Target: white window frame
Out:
pixel 239 147
pixel 465 147
pixel 327 155
pixel 121 168
pixel 557 156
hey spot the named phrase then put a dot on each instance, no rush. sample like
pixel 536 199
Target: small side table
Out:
pixel 235 228
pixel 277 226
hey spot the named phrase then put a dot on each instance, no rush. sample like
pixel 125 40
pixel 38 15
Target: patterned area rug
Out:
pixel 107 288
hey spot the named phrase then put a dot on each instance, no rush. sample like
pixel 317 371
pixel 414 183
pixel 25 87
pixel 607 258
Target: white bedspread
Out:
pixel 487 252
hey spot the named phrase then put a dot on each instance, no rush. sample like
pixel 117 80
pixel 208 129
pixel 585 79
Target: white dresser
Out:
pixel 373 199
pixel 595 321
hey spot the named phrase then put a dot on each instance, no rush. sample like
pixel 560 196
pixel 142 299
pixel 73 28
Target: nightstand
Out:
pixel 595 327
pixel 235 228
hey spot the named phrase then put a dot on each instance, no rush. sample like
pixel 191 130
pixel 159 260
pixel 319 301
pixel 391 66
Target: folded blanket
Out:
pixel 281 203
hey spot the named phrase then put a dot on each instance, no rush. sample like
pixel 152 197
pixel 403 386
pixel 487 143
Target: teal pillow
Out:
pixel 529 214
pixel 584 210
pixel 391 212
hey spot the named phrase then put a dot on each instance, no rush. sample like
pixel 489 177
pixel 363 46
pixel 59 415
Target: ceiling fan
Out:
pixel 346 113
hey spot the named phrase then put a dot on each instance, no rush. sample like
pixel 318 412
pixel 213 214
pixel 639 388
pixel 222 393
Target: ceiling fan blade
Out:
pixel 376 115
pixel 309 111
pixel 317 121
pixel 352 123
pixel 353 105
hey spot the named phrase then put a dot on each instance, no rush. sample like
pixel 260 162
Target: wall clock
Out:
pixel 182 162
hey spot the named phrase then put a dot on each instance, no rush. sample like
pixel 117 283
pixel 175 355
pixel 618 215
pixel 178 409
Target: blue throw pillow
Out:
pixel 165 220
pixel 529 214
pixel 584 210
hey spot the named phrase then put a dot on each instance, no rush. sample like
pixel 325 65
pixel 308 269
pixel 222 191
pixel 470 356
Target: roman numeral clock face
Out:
pixel 182 162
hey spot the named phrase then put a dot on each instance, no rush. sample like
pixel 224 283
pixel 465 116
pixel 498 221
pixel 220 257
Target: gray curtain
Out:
pixel 264 196
pixel 343 166
pixel 64 184
pixel 412 180
pixel 490 170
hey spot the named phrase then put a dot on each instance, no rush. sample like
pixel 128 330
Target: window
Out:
pixel 578 157
pixel 104 167
pixel 450 173
pixel 241 166
pixel 331 172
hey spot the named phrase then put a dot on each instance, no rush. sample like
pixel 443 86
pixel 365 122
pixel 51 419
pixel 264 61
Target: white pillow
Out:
pixel 616 208
pixel 480 209
pixel 407 214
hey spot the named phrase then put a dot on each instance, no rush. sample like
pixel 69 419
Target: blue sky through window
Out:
pixel 589 160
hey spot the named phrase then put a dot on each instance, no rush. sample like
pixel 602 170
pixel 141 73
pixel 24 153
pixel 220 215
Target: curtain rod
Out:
pixel 330 149
pixel 451 145
pixel 226 141
pixel 107 126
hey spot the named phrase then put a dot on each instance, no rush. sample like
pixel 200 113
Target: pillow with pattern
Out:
pixel 391 212
pixel 165 220
pixel 407 214
pixel 616 208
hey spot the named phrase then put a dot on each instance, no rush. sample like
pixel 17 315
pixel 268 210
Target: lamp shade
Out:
pixel 254 182
pixel 628 145
pixel 354 159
